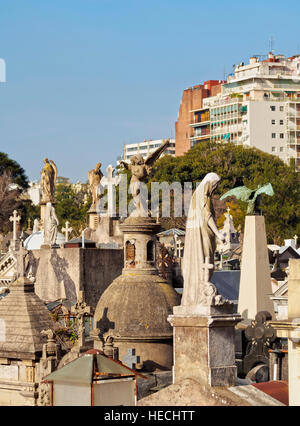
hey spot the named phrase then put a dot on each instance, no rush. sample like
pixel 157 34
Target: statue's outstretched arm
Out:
pixel 212 224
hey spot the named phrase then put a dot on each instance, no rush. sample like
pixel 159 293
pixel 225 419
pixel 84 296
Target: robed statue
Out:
pixel 200 246
pixel 50 225
pixel 48 180
pixel 95 175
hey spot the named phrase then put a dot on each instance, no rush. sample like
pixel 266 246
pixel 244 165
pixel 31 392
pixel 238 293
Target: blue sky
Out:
pixel 86 76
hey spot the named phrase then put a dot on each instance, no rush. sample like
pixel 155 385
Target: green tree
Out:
pixel 13 182
pixel 13 169
pixel 73 206
pixel 237 166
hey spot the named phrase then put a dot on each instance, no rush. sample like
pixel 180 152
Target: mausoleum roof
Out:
pixel 172 231
pixel 34 241
pixel 23 316
pixel 83 369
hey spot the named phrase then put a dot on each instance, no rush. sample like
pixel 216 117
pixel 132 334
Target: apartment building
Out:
pixel 258 106
pixel 192 99
pixel 145 148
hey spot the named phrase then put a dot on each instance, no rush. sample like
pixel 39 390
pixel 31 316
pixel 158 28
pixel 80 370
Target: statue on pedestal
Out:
pixel 140 170
pixel 200 246
pixel 50 225
pixel 95 175
pixel 48 181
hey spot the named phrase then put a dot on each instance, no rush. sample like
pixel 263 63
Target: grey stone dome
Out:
pixel 136 306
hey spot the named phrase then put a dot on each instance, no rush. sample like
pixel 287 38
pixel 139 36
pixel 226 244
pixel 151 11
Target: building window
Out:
pixel 281 108
pixel 150 251
pixel 281 122
pixel 273 121
pixel 273 135
pixel 281 149
pixel 273 108
pixel 281 135
pixel 273 148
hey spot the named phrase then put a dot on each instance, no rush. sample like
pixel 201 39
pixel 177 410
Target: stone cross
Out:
pixel 67 230
pixel 295 238
pixel 179 247
pixel 110 182
pixel 131 359
pixel 81 310
pixel 15 219
pixel 259 336
pixel 206 267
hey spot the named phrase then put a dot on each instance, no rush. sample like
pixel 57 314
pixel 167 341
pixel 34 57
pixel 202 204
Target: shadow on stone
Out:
pixel 104 325
pixel 60 267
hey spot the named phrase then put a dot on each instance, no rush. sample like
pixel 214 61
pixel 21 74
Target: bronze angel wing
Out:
pixel 150 160
pixel 241 193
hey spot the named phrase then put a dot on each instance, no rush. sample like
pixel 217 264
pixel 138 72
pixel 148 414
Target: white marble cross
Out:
pixel 179 247
pixel 206 267
pixel 15 219
pixel 110 181
pixel 67 230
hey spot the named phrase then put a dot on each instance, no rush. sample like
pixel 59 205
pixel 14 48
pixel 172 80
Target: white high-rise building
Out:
pixel 259 106
pixel 147 147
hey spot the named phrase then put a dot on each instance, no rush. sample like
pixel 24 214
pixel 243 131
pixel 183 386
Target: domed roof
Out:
pixel 136 306
pixel 35 240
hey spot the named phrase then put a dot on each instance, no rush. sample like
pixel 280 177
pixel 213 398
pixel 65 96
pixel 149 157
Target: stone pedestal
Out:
pixel 255 283
pixel 204 346
pixel 93 219
pixel 133 310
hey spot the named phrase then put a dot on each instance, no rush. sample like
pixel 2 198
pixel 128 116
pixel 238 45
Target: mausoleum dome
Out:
pixel 134 309
pixel 123 310
pixel 35 240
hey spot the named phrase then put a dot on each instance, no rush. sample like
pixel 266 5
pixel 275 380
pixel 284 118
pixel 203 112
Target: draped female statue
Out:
pixel 200 244
pixel 50 225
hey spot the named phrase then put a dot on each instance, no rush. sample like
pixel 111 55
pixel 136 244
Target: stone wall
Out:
pixel 63 272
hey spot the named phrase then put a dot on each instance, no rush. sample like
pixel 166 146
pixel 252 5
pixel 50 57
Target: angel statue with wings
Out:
pixel 250 196
pixel 48 181
pixel 140 170
pixel 95 175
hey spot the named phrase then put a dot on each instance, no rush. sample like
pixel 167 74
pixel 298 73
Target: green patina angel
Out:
pixel 250 196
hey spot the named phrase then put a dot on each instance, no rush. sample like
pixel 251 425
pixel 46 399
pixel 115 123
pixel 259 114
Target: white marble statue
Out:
pixel 36 226
pixel 200 245
pixel 50 225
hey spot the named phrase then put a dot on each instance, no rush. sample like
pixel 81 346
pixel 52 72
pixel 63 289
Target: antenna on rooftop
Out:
pixel 271 44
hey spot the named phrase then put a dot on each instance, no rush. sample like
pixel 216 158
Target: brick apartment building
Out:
pixel 192 99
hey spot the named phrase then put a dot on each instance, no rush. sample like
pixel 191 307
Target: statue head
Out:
pixel 211 181
pixel 98 165
pixel 46 160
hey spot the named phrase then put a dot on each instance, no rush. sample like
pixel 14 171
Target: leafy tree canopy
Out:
pixel 72 206
pixel 238 166
pixel 14 170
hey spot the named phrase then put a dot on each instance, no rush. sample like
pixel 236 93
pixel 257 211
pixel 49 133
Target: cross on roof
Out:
pixel 15 219
pixel 67 230
pixel 131 359
pixel 206 266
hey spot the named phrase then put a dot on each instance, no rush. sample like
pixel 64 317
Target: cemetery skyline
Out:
pixel 87 76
